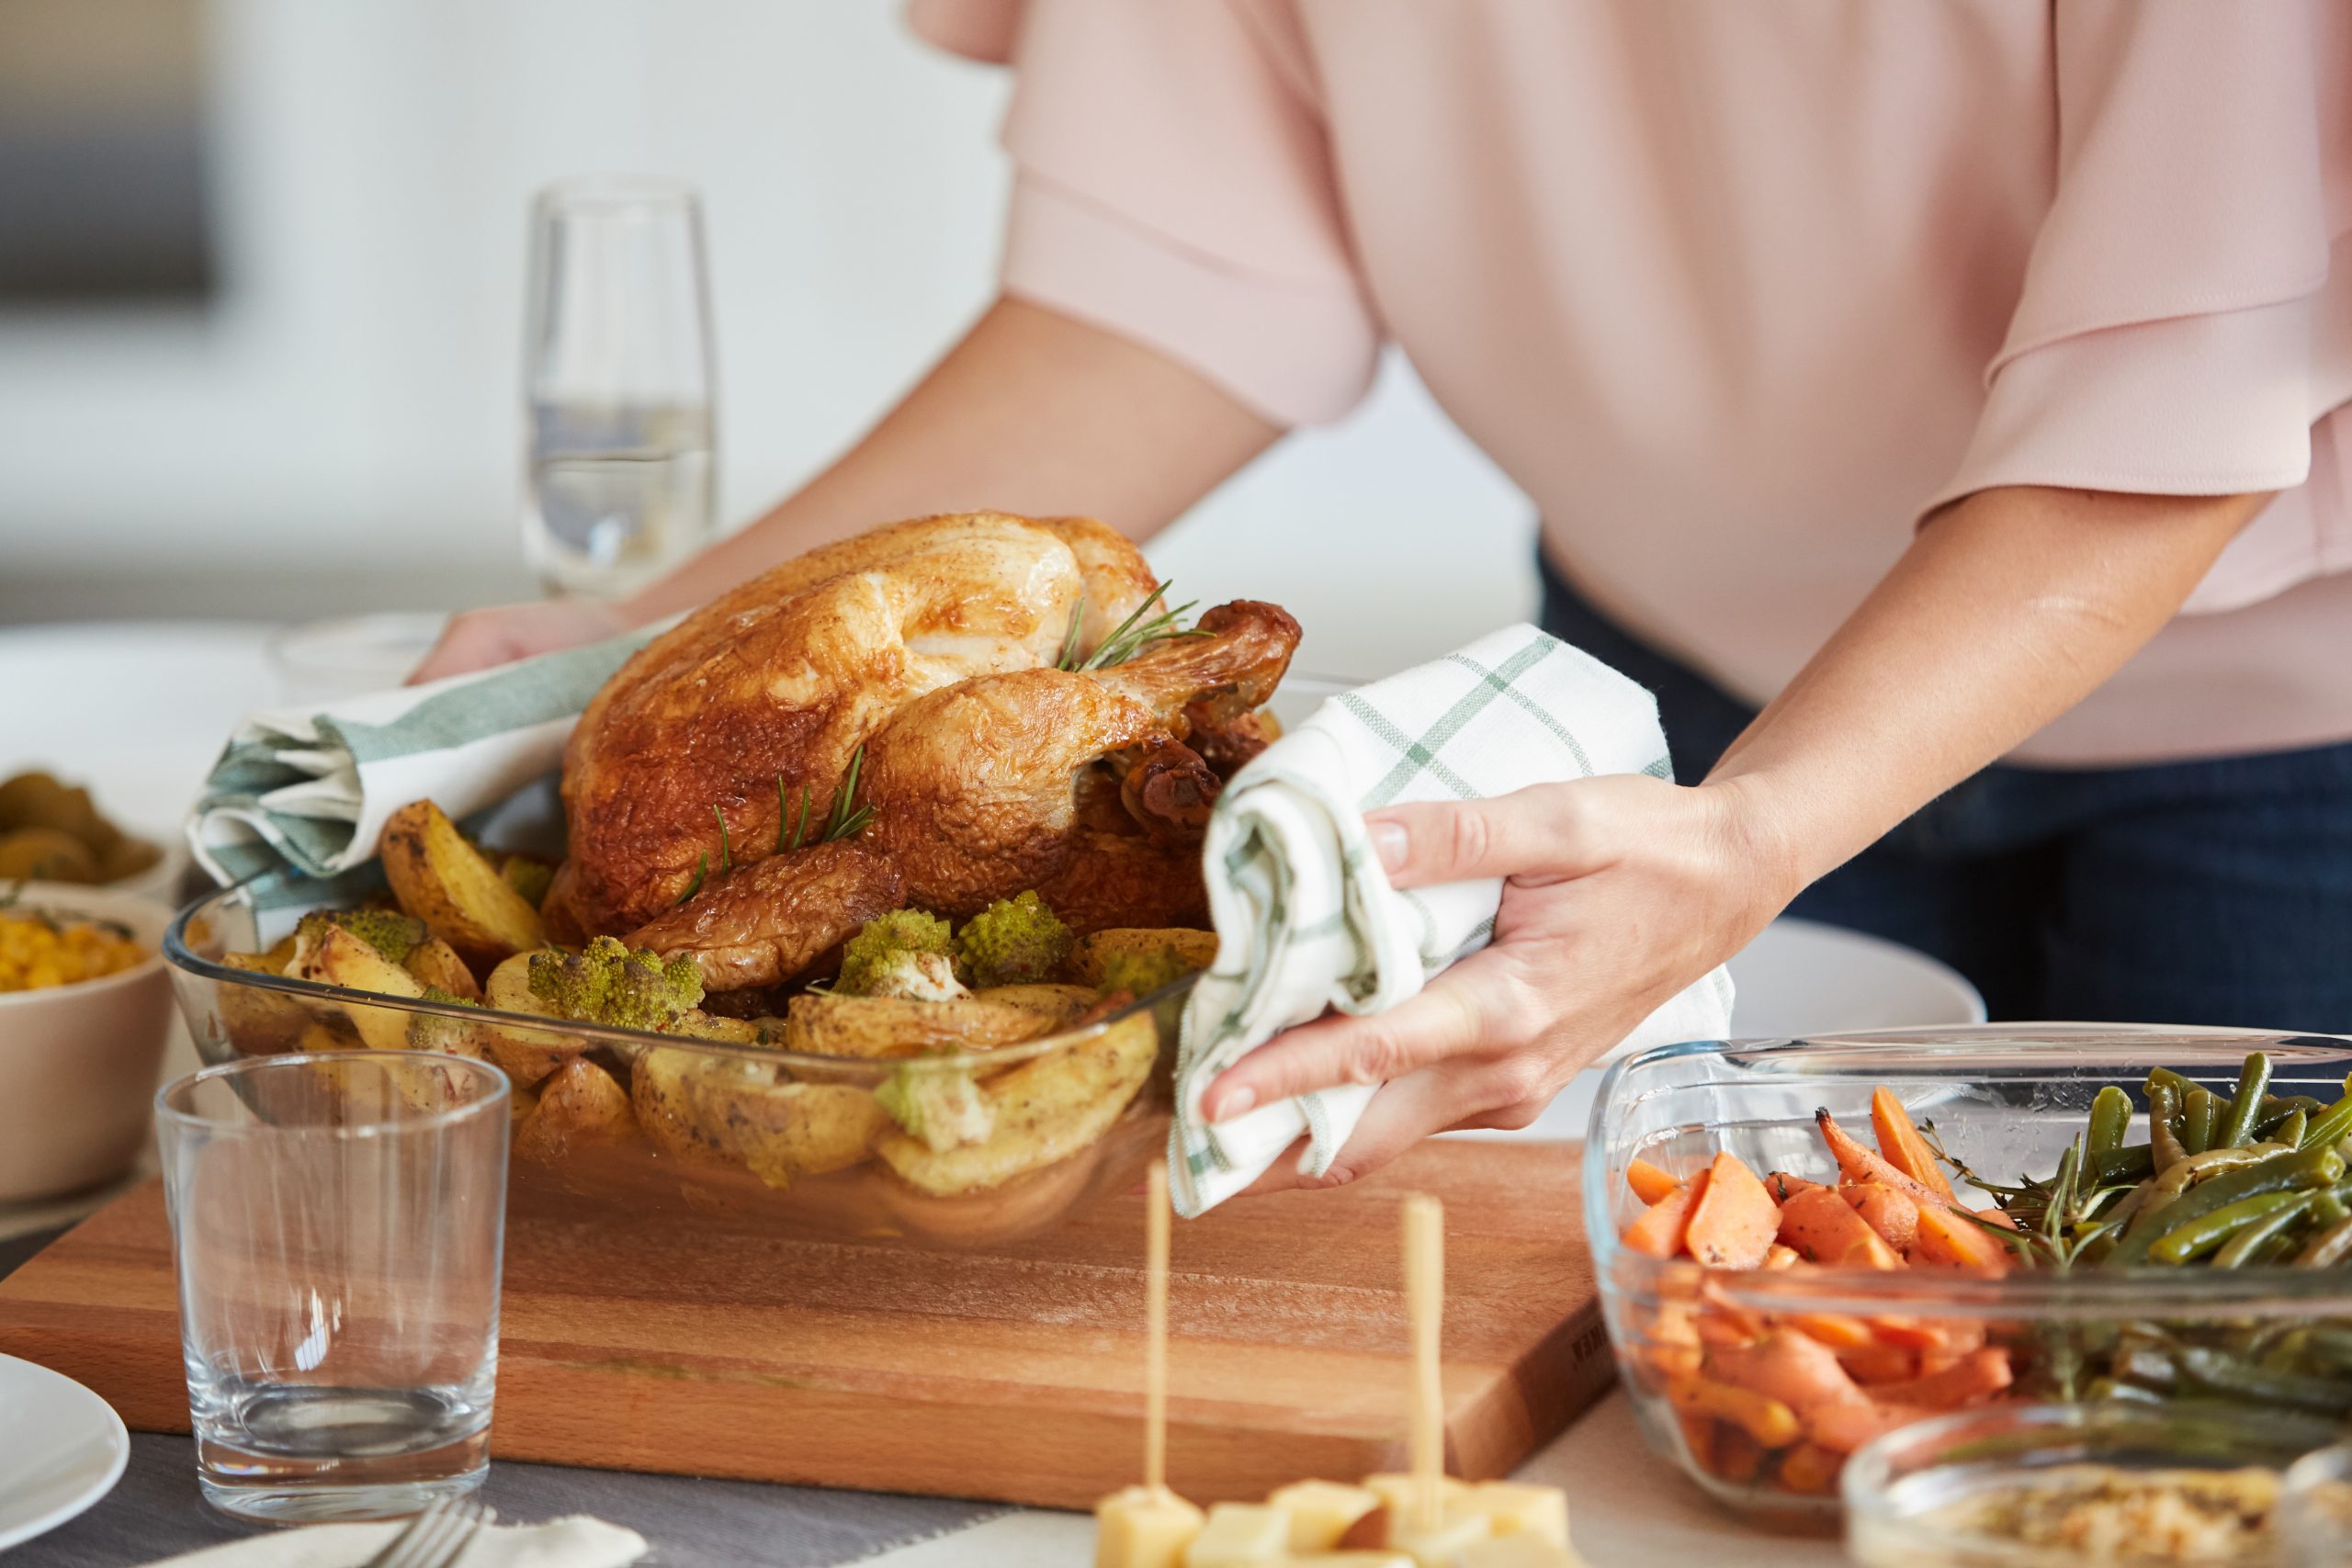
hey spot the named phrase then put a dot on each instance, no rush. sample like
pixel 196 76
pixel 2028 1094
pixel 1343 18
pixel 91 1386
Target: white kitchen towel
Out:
pixel 1304 915
pixel 308 788
pixel 576 1543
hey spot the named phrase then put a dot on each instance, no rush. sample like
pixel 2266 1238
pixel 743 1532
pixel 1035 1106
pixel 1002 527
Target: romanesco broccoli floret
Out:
pixel 451 1036
pixel 1013 942
pixel 388 931
pixel 870 957
pixel 608 984
pixel 917 976
pixel 940 1105
pixel 1141 971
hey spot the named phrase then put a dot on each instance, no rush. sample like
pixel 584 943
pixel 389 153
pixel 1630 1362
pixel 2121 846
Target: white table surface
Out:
pixel 139 710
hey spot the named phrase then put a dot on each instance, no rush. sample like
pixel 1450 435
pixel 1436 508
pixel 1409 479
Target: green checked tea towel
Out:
pixel 1306 919
pixel 309 789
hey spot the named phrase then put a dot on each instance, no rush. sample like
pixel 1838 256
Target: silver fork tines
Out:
pixel 436 1538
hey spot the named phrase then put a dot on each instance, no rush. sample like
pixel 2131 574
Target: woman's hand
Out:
pixel 476 639
pixel 1618 893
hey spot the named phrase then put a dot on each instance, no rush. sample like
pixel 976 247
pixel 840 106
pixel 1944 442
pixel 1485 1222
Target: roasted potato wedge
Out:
pixel 446 881
pixel 1059 1006
pixel 580 1106
pixel 527 1055
pixel 827 1024
pixel 257 1021
pixel 342 958
pixel 1197 949
pixel 1044 1110
pixel 435 962
pixel 708 1109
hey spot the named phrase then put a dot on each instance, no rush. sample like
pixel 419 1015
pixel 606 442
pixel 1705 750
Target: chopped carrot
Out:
pixel 1699 1433
pixel 1789 1367
pixel 1978 1375
pixel 1834 1330
pixel 1670 1362
pixel 1658 1230
pixel 1860 1164
pixel 1879 1363
pixel 1783 1186
pixel 1911 1332
pixel 1995 1216
pixel 1823 1229
pixel 1900 1141
pixel 1735 1221
pixel 1953 1241
pixel 1650 1184
pixel 1894 1216
pixel 1810 1470
pixel 1842 1428
pixel 1779 1257
pixel 1768 1420
pixel 1738 1457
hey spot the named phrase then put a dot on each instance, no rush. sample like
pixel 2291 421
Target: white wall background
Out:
pixel 350 406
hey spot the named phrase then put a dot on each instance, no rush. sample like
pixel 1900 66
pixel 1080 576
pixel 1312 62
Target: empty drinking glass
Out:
pixel 337 1221
pixel 619 382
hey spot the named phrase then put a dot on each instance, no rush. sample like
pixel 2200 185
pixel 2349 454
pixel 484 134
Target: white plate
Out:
pixel 62 1448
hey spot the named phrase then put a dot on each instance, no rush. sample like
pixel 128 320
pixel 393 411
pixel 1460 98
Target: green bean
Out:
pixel 2296 1390
pixel 2291 1132
pixel 2124 1165
pixel 2331 1124
pixel 2251 1238
pixel 2195 1235
pixel 2164 1125
pixel 2276 1109
pixel 2200 1119
pixel 2179 1085
pixel 2330 1247
pixel 2331 1206
pixel 2110 1115
pixel 2237 1123
pixel 2285 1170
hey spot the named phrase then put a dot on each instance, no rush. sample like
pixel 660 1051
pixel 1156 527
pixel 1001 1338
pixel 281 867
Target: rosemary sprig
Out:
pixel 1068 657
pixel 1130 637
pixel 726 852
pixel 842 821
pixel 783 815
pixel 702 870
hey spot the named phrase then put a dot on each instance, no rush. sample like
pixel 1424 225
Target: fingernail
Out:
pixel 1234 1103
pixel 1388 842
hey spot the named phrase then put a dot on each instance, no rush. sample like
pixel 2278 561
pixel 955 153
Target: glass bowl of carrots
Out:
pixel 1805 1244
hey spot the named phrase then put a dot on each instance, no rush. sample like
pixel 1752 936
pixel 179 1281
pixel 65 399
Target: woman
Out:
pixel 1959 384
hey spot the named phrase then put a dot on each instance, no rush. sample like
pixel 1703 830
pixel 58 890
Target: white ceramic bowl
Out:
pixel 78 1063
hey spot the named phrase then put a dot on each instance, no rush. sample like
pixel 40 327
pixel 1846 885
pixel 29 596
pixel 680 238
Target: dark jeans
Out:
pixel 2210 892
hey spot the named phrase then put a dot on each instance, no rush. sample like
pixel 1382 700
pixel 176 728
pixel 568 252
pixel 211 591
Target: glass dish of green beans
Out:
pixel 2176 1208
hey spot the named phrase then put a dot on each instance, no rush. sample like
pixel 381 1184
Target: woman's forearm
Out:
pixel 2005 611
pixel 1031 411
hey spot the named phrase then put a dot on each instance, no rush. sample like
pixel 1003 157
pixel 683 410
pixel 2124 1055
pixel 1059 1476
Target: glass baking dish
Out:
pixel 2006 1099
pixel 656 1126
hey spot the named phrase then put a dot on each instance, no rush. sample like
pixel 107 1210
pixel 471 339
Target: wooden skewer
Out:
pixel 1424 1307
pixel 1155 1375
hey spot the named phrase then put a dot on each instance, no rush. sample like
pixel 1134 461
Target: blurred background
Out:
pixel 262 281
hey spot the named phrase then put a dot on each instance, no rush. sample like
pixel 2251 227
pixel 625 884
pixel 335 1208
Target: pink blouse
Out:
pixel 1738 292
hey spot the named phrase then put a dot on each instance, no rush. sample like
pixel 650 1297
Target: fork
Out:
pixel 436 1538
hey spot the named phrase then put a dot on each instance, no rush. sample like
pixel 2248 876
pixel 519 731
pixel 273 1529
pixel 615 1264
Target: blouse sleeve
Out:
pixel 2185 322
pixel 1173 185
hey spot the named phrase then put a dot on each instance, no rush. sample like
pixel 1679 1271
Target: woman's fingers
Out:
pixel 1404 1113
pixel 1456 1013
pixel 1545 831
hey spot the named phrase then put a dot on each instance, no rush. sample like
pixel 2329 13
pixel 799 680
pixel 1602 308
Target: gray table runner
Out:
pixel 155 1511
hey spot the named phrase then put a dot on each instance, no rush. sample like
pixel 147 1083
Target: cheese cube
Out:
pixel 1321 1511
pixel 1525 1550
pixel 1240 1535
pixel 1142 1526
pixel 1442 1547
pixel 1516 1509
pixel 1397 1492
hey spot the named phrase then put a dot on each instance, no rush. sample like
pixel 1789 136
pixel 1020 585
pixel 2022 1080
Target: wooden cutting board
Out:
pixel 1013 1373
